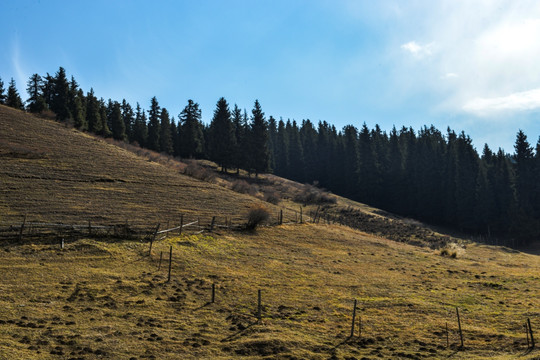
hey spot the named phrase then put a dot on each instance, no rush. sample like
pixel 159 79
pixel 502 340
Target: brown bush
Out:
pixel 242 187
pixel 256 216
pixel 272 197
pixel 198 172
pixel 312 195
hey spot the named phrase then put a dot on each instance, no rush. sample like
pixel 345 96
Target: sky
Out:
pixel 471 65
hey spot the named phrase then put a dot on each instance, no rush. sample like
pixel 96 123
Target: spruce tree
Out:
pixel 140 131
pixel 60 96
pixel 128 117
pixel 239 135
pixel 76 106
pixel 2 90
pixel 117 121
pixel 165 138
pixel 104 129
pixel 153 125
pixel 258 140
pixel 36 102
pixel 175 136
pixel 296 153
pixel 282 150
pixel 191 131
pixel 93 116
pixel 13 98
pixel 48 90
pixel 222 140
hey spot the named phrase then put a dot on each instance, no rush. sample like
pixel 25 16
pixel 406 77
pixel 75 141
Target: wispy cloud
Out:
pixel 20 74
pixel 417 50
pixel 521 101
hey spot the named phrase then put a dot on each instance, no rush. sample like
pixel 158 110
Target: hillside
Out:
pixel 108 299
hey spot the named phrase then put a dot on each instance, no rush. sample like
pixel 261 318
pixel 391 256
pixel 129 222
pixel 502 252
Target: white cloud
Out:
pixel 417 50
pixel 449 75
pixel 521 101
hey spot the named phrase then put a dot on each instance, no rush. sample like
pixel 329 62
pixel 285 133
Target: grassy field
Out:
pixel 108 299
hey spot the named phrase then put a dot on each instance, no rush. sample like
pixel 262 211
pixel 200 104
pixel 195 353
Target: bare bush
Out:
pixel 257 215
pixel 198 172
pixel 242 187
pixel 313 195
pixel 272 197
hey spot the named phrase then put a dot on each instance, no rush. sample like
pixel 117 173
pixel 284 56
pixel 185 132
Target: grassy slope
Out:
pixel 108 300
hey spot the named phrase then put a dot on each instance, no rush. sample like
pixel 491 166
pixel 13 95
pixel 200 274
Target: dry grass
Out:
pixel 107 299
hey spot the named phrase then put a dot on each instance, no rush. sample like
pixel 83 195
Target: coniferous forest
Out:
pixel 434 176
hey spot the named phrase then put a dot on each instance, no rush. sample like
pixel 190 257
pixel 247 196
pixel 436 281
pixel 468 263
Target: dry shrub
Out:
pixel 257 215
pixel 452 250
pixel 242 187
pixel 311 194
pixel 198 172
pixel 272 197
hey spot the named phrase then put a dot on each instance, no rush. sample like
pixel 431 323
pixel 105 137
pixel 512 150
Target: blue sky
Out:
pixel 470 65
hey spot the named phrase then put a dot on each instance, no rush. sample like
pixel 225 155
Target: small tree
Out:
pixel 36 102
pixel 2 90
pixel 13 98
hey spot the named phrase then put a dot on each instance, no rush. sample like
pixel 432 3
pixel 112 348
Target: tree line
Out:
pixel 435 177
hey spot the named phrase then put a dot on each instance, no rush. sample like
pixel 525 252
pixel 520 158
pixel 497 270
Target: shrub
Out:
pixel 452 250
pixel 199 172
pixel 272 197
pixel 256 216
pixel 242 187
pixel 312 195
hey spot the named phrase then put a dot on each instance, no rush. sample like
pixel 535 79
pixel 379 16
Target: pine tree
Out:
pixel 350 143
pixel 153 125
pixel 282 150
pixel 222 139
pixel 296 153
pixel 258 140
pixel 36 102
pixel 48 90
pixel 76 106
pixel 128 117
pixel 140 130
pixel 239 157
pixel 117 121
pixel 93 116
pixel 13 98
pixel 308 137
pixel 272 137
pixel 2 90
pixel 60 96
pixel 103 116
pixel 191 131
pixel 175 136
pixel 165 138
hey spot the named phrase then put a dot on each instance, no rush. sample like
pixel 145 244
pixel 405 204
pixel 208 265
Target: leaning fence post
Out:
pixel 22 228
pixel 527 335
pixel 259 306
pixel 213 299
pixel 353 319
pixel 212 223
pixel 181 224
pixel 300 214
pixel 170 264
pixel 152 240
pixel 89 228
pixel 459 327
pixel 530 333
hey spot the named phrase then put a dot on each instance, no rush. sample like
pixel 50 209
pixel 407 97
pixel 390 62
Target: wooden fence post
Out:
pixel 530 333
pixel 281 217
pixel 160 259
pixel 259 306
pixel 153 239
pixel 353 319
pixel 89 228
pixel 181 224
pixel 22 228
pixel 447 338
pixel 170 264
pixel 213 293
pixel 212 223
pixel 300 214
pixel 459 327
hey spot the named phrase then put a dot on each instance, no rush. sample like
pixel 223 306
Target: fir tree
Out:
pixel 104 129
pixel 13 98
pixel 93 116
pixel 2 90
pixel 140 131
pixel 222 140
pixel 76 106
pixel 165 138
pixel 153 125
pixel 175 136
pixel 239 157
pixel 118 127
pixel 60 96
pixel 258 140
pixel 36 102
pixel 191 131
pixel 282 150
pixel 128 117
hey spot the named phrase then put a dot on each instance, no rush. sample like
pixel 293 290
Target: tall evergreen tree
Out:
pixel 36 102
pixel 282 150
pixel 165 138
pixel 13 98
pixel 153 125
pixel 192 141
pixel 258 140
pixel 103 116
pixel 222 141
pixel 93 115
pixel 117 122
pixel 129 117
pixel 75 104
pixel 175 136
pixel 296 153
pixel 2 94
pixel 140 130
pixel 60 96
pixel 240 133
pixel 48 90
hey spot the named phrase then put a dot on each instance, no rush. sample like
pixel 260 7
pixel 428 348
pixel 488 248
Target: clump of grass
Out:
pixel 452 250
pixel 311 194
pixel 242 187
pixel 257 215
